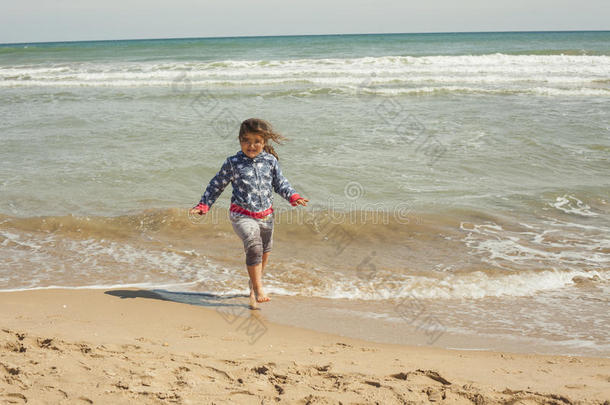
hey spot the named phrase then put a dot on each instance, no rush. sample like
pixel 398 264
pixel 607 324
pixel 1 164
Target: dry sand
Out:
pixel 130 346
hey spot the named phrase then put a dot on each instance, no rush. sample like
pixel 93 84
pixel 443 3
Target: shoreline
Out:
pixel 117 346
pixel 406 322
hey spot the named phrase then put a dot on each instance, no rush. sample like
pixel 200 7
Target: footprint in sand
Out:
pixel 400 376
pixel 435 376
pixel 16 398
pixel 84 348
pixel 323 368
pixel 181 377
pixel 223 373
pixel 47 344
pixel 427 373
pixel 261 370
pixel 16 347
pixel 279 389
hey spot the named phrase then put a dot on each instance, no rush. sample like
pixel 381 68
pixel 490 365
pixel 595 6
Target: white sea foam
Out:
pixel 556 244
pixel 31 261
pixel 389 75
pixel 572 205
pixel 474 285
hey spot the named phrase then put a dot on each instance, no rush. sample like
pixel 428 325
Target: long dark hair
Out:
pixel 261 127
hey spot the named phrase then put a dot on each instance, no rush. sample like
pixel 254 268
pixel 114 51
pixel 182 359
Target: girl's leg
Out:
pixel 263 264
pixel 266 233
pixel 255 273
pixel 249 232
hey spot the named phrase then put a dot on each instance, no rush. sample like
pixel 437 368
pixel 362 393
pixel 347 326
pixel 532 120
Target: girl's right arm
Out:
pixel 215 188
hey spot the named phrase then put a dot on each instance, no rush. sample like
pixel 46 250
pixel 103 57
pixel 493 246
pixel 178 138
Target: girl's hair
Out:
pixel 263 128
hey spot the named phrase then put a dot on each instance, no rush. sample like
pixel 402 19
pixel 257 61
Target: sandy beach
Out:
pixel 133 346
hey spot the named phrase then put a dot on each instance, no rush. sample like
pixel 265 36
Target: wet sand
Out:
pixel 135 346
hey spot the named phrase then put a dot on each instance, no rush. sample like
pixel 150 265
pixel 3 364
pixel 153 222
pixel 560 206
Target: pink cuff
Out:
pixel 293 198
pixel 203 207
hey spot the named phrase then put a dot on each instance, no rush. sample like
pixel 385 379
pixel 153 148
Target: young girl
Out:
pixel 254 173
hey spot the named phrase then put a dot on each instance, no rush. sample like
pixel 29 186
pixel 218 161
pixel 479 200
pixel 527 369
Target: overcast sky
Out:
pixel 73 20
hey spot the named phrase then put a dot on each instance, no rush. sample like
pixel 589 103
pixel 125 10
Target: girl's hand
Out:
pixel 196 210
pixel 199 209
pixel 301 201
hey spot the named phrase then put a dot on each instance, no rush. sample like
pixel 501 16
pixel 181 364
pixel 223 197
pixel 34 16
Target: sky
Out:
pixel 77 20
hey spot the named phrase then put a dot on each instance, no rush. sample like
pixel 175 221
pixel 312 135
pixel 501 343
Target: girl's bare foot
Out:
pixel 262 297
pixel 259 294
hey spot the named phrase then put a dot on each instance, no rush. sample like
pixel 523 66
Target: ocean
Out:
pixel 458 183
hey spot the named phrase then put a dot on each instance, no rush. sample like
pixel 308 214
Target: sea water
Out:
pixel 458 183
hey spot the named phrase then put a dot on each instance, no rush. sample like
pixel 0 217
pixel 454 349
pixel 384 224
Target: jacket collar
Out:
pixel 258 157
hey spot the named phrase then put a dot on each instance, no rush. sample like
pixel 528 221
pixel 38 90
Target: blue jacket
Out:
pixel 253 181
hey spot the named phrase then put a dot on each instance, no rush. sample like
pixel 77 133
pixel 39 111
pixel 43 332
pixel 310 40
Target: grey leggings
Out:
pixel 256 235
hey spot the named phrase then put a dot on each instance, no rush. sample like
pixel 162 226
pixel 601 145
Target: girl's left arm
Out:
pixel 282 186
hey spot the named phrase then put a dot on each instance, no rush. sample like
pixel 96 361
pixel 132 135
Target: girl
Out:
pixel 254 174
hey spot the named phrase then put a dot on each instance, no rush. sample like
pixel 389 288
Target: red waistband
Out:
pixel 240 210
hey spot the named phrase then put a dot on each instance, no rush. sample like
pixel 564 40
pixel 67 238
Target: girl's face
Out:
pixel 252 144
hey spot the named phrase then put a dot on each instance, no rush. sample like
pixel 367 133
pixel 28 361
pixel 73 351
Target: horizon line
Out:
pixel 299 35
